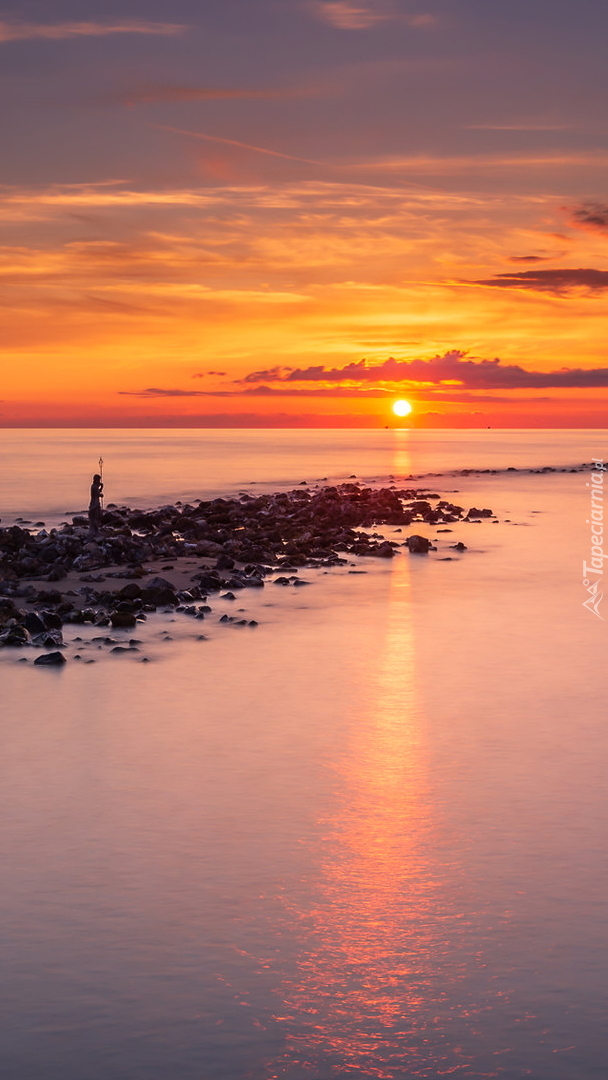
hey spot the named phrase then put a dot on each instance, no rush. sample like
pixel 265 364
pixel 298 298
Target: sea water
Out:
pixel 366 838
pixel 47 473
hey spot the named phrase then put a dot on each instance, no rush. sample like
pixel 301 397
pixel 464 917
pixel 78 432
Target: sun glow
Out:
pixel 402 408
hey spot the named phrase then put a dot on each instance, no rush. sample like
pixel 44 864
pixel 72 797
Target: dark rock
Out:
pixel 33 623
pixel 418 545
pixel 49 639
pixel 123 620
pixel 49 596
pixel 162 596
pixel 130 592
pixel 459 546
pixel 14 637
pixel 209 582
pixel 52 659
pixel 384 551
pixel 58 573
pixel 475 513
pixel 52 620
pixel 224 562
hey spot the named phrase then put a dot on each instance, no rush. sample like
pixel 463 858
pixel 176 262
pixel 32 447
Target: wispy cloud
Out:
pixel 23 31
pixel 157 93
pixel 346 15
pixel 450 369
pixel 260 391
pixel 269 374
pixel 529 258
pixel 241 145
pixel 456 164
pixel 524 126
pixel 558 282
pixel 592 216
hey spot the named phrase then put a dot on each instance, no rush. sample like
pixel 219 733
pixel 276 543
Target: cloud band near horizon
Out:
pixel 451 368
pixel 25 31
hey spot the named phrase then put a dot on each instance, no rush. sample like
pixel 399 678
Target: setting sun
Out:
pixel 402 408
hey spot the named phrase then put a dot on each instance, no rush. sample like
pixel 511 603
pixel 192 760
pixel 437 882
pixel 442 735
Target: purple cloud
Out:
pixel 157 391
pixel 450 368
pixel 557 282
pixel 272 374
pixel 23 31
pixel 528 258
pixel 153 93
pixel 590 215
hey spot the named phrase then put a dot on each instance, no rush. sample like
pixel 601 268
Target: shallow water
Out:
pixel 47 473
pixel 364 839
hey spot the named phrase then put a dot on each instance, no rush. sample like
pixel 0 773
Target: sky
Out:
pixel 294 212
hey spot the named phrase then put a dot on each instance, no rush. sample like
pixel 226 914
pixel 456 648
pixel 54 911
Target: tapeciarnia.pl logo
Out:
pixel 594 571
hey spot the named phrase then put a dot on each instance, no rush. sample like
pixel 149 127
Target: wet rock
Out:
pixel 459 546
pixel 33 623
pixel 52 659
pixel 418 545
pixel 49 639
pixel 475 513
pixel 14 637
pixel 52 619
pixel 384 551
pixel 224 562
pixel 123 620
pixel 130 592
pixel 160 595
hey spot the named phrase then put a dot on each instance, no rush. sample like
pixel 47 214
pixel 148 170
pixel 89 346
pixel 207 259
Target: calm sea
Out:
pixel 366 839
pixel 48 472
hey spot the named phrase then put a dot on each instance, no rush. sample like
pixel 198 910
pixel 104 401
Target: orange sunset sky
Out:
pixel 293 212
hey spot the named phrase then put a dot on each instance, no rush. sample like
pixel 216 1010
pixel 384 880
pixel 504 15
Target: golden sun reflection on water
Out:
pixel 373 970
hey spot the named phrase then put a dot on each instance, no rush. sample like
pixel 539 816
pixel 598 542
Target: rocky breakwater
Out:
pixel 238 543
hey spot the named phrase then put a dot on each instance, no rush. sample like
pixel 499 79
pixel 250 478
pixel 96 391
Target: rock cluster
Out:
pixel 241 540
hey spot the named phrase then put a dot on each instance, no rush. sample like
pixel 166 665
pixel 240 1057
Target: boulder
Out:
pixel 14 637
pixel 34 623
pixel 52 659
pixel 164 596
pixel 418 545
pixel 130 592
pixel 475 513
pixel 49 638
pixel 384 550
pixel 51 620
pixel 123 620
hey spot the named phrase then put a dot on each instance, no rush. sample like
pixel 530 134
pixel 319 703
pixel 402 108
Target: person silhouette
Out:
pixel 95 505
